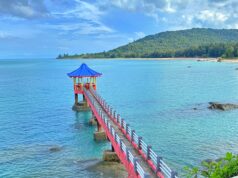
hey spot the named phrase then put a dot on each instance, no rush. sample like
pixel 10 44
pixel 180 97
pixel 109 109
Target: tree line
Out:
pixel 224 50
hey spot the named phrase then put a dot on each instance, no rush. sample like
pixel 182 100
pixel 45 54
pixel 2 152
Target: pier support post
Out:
pixel 110 155
pixel 85 101
pixel 80 106
pixel 93 120
pixel 76 100
pixel 113 148
pixel 99 134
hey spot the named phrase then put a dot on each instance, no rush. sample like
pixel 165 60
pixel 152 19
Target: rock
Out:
pixel 218 159
pixel 211 160
pixel 207 161
pixel 222 106
pixel 55 149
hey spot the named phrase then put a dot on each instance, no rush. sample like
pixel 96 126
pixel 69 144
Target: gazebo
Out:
pixel 83 77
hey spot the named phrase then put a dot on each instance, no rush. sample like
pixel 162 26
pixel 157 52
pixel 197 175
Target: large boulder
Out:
pixel 222 106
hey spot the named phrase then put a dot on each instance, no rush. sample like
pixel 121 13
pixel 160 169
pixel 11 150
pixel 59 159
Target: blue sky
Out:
pixel 45 28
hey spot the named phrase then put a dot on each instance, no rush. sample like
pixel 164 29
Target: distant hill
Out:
pixel 196 42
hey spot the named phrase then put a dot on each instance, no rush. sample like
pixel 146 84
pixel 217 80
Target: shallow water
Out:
pixel 156 97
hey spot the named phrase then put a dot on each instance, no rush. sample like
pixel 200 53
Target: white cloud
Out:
pixel 184 13
pixel 4 35
pixel 89 16
pixel 208 15
pixel 23 8
pixel 82 10
pixel 82 28
pixel 149 7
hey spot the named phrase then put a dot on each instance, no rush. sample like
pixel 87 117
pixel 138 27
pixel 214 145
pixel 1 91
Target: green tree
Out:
pixel 229 52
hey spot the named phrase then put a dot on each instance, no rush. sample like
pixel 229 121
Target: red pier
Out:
pixel 138 158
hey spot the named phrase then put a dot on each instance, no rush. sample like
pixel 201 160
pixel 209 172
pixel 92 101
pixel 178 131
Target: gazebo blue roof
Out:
pixel 84 71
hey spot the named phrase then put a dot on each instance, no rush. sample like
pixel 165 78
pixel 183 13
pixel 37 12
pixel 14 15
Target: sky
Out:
pixel 46 28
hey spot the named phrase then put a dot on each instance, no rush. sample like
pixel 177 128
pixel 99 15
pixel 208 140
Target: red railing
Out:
pixel 131 162
pixel 155 162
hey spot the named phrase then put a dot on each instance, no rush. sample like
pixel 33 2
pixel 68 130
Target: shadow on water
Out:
pixel 82 120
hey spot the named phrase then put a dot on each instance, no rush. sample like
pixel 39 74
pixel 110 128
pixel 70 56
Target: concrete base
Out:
pixel 100 135
pixel 110 156
pixel 81 106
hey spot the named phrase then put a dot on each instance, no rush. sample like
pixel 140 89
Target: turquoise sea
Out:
pixel 157 98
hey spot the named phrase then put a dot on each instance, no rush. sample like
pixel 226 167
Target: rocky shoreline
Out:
pixel 222 106
pixel 218 60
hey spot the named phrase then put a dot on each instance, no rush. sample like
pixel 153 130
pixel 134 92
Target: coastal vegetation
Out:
pixel 226 167
pixel 196 42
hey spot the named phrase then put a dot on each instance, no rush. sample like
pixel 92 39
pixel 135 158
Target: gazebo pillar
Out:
pixel 76 99
pixel 84 99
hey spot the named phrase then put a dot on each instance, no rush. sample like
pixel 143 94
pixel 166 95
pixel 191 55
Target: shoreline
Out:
pixel 179 58
pixel 199 59
pixel 228 60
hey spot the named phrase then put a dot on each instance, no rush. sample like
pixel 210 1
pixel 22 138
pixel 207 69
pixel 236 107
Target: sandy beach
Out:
pixel 180 58
pixel 228 60
pixel 162 59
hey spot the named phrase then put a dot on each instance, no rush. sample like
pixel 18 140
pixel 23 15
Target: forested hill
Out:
pixel 196 42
